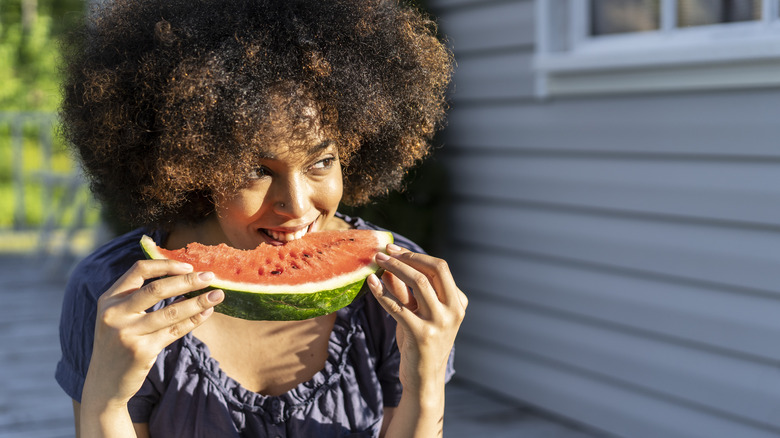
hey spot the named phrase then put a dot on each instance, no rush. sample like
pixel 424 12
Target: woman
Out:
pixel 246 122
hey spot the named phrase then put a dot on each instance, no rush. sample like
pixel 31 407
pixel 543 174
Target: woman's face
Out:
pixel 295 189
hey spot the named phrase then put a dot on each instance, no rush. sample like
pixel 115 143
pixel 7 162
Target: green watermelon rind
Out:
pixel 284 307
pixel 285 302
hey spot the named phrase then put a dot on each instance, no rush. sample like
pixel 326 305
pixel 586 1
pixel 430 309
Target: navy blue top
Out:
pixel 186 394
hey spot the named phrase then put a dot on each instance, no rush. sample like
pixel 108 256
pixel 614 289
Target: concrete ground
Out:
pixel 33 406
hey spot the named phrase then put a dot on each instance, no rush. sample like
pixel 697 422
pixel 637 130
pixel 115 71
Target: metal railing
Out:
pixel 48 199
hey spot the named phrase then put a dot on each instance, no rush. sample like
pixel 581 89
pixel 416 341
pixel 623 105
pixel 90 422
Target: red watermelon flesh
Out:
pixel 314 258
pixel 311 276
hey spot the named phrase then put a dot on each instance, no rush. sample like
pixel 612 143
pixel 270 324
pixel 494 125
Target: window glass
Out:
pixel 704 12
pixel 622 16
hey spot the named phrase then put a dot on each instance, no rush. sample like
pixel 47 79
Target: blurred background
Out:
pixel 605 193
pixel 43 202
pixel 47 218
pixel 614 183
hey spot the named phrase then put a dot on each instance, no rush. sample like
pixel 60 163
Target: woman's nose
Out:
pixel 292 198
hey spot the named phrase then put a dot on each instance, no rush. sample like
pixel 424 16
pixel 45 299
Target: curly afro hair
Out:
pixel 168 102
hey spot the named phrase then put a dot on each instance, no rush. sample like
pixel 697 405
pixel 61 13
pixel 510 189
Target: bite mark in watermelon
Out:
pixel 312 276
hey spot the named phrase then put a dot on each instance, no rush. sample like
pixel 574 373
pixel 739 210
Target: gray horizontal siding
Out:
pixel 494 26
pixel 744 192
pixel 705 316
pixel 623 411
pixel 443 6
pixel 731 125
pixel 685 376
pixel 497 76
pixel 620 252
pixel 729 256
pixel 493 46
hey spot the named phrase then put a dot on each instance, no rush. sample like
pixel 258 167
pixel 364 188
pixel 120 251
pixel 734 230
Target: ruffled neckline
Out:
pixel 280 408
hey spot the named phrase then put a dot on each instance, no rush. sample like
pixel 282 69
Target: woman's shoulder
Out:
pixel 108 262
pixel 362 224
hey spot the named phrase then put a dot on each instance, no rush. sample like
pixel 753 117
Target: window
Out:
pixel 623 16
pixel 602 46
pixel 611 17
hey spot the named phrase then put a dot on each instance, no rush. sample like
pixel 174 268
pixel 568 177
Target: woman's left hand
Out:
pixel 428 316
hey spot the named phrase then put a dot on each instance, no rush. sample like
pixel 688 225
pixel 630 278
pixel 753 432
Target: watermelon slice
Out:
pixel 312 276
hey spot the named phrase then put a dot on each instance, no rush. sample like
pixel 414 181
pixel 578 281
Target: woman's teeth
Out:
pixel 286 237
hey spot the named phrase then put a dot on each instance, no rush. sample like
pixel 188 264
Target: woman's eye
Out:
pixel 324 164
pixel 258 172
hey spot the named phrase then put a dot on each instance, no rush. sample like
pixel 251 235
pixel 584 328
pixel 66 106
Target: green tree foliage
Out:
pixel 30 35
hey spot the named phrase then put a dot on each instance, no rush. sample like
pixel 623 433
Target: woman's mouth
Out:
pixel 286 236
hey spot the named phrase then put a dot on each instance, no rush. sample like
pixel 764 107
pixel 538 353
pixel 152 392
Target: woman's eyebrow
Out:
pixel 316 149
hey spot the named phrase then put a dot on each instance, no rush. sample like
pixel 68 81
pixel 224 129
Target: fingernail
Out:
pixel 207 312
pixel 382 257
pixel 215 295
pixel 186 267
pixel 373 281
pixel 394 248
pixel 206 276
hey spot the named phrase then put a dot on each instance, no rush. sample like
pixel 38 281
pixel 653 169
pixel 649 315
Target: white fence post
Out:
pixel 17 158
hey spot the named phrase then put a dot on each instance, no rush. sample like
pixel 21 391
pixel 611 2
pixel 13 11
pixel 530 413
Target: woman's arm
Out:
pixel 428 321
pixel 128 339
pixel 387 418
pixel 141 429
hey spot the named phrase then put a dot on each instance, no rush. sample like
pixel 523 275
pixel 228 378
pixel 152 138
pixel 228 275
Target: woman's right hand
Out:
pixel 128 339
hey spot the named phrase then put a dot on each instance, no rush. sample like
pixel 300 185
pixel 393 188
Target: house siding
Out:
pixel 620 252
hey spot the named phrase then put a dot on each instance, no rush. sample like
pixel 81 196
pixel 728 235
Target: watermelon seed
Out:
pixel 295 266
pixel 307 255
pixel 276 272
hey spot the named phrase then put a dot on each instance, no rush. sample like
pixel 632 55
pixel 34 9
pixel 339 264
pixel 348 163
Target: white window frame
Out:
pixel 721 56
